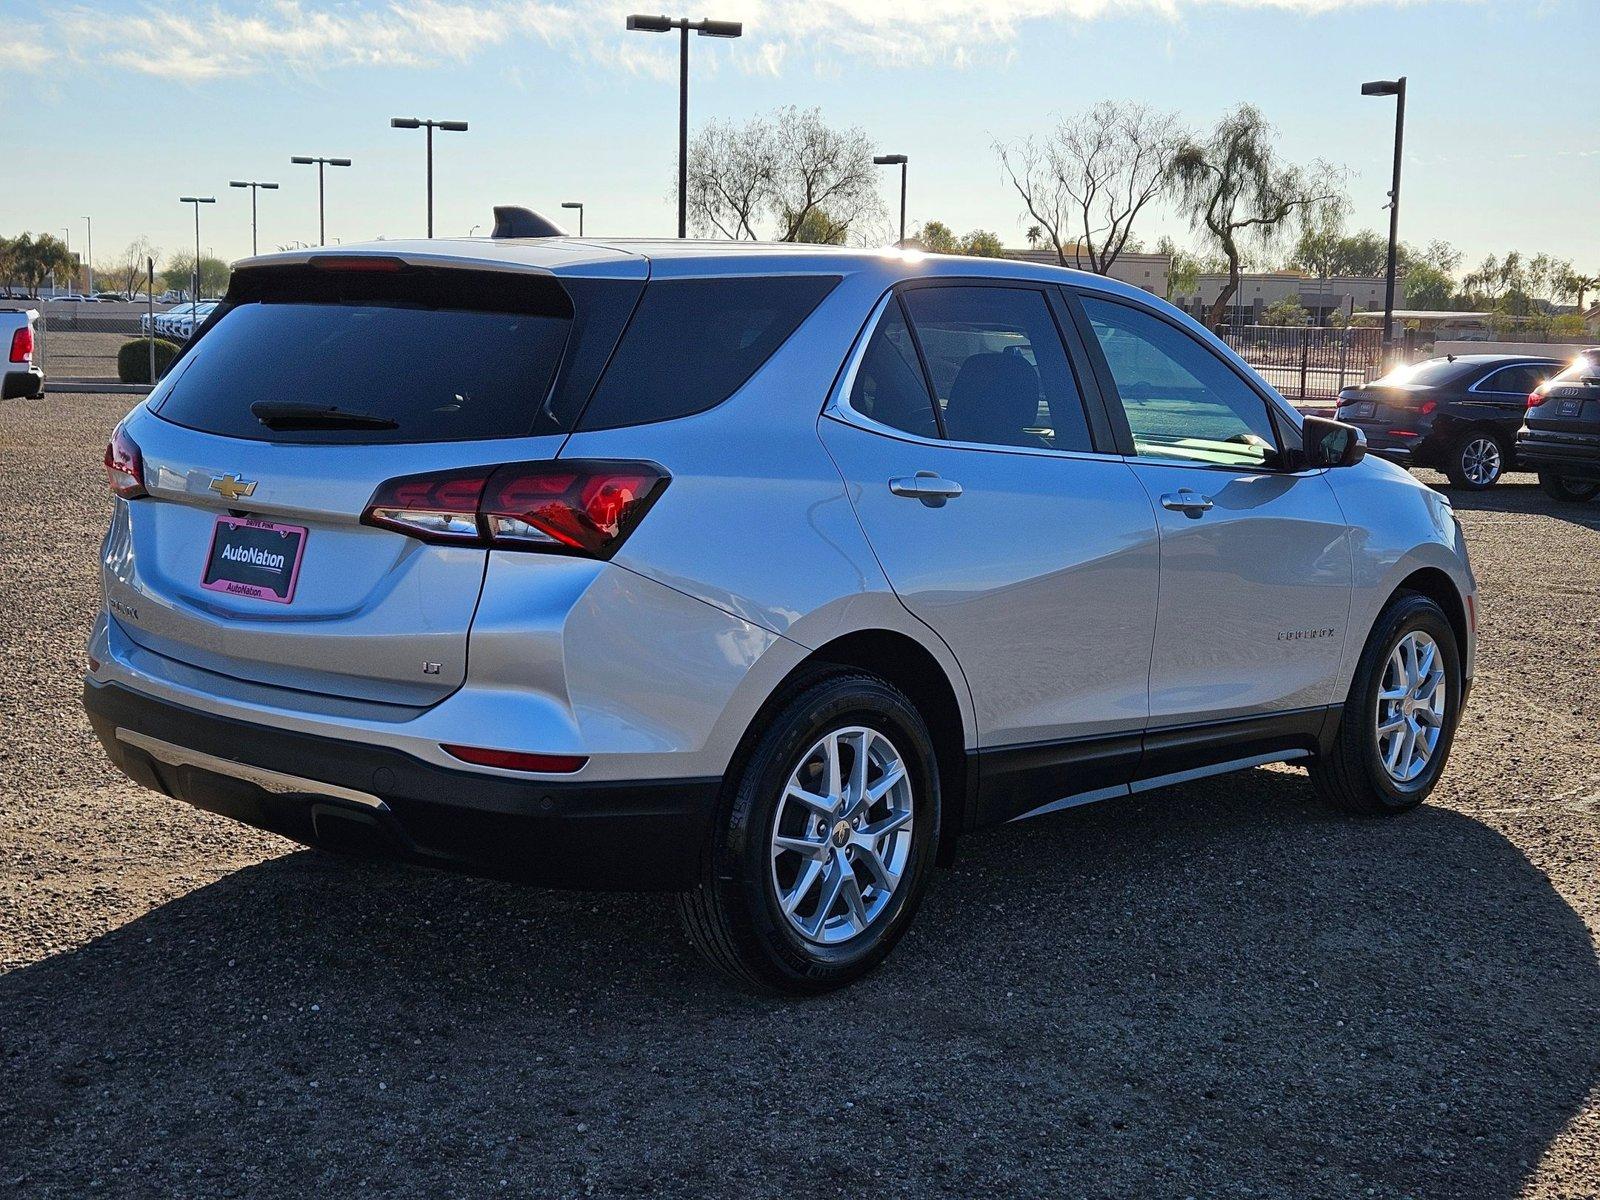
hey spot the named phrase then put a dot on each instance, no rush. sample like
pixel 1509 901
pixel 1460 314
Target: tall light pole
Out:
pixel 705 28
pixel 430 126
pixel 254 186
pixel 1397 89
pixel 66 240
pixel 577 204
pixel 897 160
pixel 322 212
pixel 197 201
pixel 88 260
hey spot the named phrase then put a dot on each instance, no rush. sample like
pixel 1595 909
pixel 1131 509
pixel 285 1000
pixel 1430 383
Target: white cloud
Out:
pixel 209 41
pixel 21 50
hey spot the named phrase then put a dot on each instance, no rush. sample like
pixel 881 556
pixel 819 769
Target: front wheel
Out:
pixel 1400 717
pixel 1570 491
pixel 1476 461
pixel 824 847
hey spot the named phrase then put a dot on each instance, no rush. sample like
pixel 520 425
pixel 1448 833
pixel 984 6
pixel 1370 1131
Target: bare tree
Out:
pixel 813 182
pixel 1087 182
pixel 127 271
pixel 730 177
pixel 1233 186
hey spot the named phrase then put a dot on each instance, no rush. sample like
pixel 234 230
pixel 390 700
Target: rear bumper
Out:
pixel 29 382
pixel 1576 454
pixel 353 796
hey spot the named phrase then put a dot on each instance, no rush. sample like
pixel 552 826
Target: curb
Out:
pixel 97 385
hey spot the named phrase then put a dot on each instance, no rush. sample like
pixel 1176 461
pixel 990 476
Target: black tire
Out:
pixel 1351 775
pixel 732 916
pixel 1467 447
pixel 1569 491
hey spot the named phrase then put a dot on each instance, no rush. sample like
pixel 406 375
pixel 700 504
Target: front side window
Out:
pixel 1182 401
pixel 999 372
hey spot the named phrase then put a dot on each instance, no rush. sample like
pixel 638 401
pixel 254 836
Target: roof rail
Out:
pixel 510 221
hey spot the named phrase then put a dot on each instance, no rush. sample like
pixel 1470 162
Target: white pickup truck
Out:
pixel 18 375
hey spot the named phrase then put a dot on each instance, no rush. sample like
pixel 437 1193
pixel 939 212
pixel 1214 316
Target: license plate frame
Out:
pixel 1364 408
pixel 259 565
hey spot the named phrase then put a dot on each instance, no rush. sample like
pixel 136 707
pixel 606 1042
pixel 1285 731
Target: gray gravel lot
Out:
pixel 1218 990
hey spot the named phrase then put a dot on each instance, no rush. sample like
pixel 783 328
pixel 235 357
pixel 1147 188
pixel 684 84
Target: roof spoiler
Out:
pixel 511 221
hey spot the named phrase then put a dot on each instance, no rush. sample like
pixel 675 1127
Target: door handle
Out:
pixel 1190 504
pixel 927 487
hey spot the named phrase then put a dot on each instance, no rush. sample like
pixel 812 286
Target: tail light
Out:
pixel 22 344
pixel 582 507
pixel 124 466
pixel 1535 398
pixel 1427 406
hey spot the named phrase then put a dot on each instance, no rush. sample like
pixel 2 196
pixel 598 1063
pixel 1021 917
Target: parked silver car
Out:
pixel 760 574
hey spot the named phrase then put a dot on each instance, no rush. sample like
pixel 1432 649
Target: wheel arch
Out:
pixel 1437 586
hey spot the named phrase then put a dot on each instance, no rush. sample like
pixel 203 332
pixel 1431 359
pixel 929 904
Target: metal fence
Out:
pixel 1309 364
pixel 77 345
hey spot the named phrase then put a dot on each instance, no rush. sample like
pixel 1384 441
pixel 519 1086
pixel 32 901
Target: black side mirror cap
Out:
pixel 1330 443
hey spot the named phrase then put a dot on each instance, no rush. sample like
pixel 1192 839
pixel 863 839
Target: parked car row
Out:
pixel 178 323
pixel 1477 416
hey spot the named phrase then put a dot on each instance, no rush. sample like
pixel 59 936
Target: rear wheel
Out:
pixel 1400 717
pixel 1572 491
pixel 1476 460
pixel 824 847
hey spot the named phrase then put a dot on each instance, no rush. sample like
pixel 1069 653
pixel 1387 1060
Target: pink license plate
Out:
pixel 256 559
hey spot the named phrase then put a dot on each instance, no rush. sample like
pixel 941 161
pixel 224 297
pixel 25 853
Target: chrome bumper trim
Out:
pixel 271 781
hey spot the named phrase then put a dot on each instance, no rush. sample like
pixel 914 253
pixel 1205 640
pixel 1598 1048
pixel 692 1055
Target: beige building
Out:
pixel 1147 271
pixel 1261 289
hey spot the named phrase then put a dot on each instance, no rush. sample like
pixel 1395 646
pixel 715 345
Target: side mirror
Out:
pixel 1331 443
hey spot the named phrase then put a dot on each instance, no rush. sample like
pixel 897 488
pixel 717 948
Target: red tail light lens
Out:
pixel 515 760
pixel 1535 399
pixel 578 507
pixel 1427 406
pixel 22 344
pixel 124 466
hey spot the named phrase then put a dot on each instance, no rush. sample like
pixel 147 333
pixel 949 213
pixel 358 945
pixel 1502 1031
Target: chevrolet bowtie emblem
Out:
pixel 231 487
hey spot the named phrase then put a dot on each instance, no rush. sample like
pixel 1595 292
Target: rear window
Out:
pixel 1428 373
pixel 380 349
pixel 692 343
pixel 1583 369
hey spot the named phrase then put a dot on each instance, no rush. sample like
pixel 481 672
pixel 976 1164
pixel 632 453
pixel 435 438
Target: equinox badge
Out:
pixel 231 487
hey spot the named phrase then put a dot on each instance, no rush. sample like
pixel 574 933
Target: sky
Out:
pixel 114 109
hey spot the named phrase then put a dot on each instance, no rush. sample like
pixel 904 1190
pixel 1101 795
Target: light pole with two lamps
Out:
pixel 430 126
pixel 306 161
pixel 197 201
pixel 254 186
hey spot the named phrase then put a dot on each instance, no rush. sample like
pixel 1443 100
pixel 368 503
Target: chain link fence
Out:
pixel 83 345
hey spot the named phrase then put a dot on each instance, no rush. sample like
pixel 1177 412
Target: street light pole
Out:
pixel 304 160
pixel 88 260
pixel 430 126
pixel 705 28
pixel 254 186
pixel 197 201
pixel 890 160
pixel 1397 89
pixel 577 204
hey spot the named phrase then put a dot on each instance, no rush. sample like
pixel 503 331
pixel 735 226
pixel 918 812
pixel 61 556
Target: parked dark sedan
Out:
pixel 1458 414
pixel 1560 437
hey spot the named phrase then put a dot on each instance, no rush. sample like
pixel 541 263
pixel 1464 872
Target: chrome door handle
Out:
pixel 1190 504
pixel 927 487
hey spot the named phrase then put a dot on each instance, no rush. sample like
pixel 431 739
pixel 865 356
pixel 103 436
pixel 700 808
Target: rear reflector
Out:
pixel 22 344
pixel 584 507
pixel 124 466
pixel 515 760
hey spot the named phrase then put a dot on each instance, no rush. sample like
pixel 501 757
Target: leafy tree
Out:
pixel 1086 183
pixel 1234 186
pixel 937 238
pixel 1425 286
pixel 179 275
pixel 30 260
pixel 1285 312
pixel 983 243
pixel 1183 275
pixel 813 182
pixel 1364 254
pixel 1035 236
pixel 1580 284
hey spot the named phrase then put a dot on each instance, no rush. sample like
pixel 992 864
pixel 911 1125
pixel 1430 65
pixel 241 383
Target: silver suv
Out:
pixel 758 574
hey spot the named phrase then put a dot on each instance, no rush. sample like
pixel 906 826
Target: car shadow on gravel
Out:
pixel 1217 990
pixel 1518 494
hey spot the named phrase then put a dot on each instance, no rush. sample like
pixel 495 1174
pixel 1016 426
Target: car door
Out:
pixel 979 465
pixel 1255 559
pixel 1500 397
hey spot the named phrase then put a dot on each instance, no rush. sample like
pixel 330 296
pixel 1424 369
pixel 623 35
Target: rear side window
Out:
pixel 692 343
pixel 397 358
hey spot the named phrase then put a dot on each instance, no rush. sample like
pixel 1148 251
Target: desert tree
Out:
pixel 127 270
pixel 730 174
pixel 1088 180
pixel 1234 187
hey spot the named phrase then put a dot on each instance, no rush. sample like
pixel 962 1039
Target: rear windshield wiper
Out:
pixel 287 416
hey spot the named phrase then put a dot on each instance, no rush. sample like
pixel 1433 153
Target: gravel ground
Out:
pixel 1218 990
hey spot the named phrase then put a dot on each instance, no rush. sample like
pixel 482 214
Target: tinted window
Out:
pixel 1182 400
pixel 998 368
pixel 692 343
pixel 889 385
pixel 437 374
pixel 1517 380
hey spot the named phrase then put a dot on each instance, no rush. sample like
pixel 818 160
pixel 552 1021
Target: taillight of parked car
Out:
pixel 582 507
pixel 1535 398
pixel 1427 406
pixel 22 344
pixel 124 466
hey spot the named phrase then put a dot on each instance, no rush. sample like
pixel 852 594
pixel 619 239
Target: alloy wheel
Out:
pixel 1481 461
pixel 841 837
pixel 1411 707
